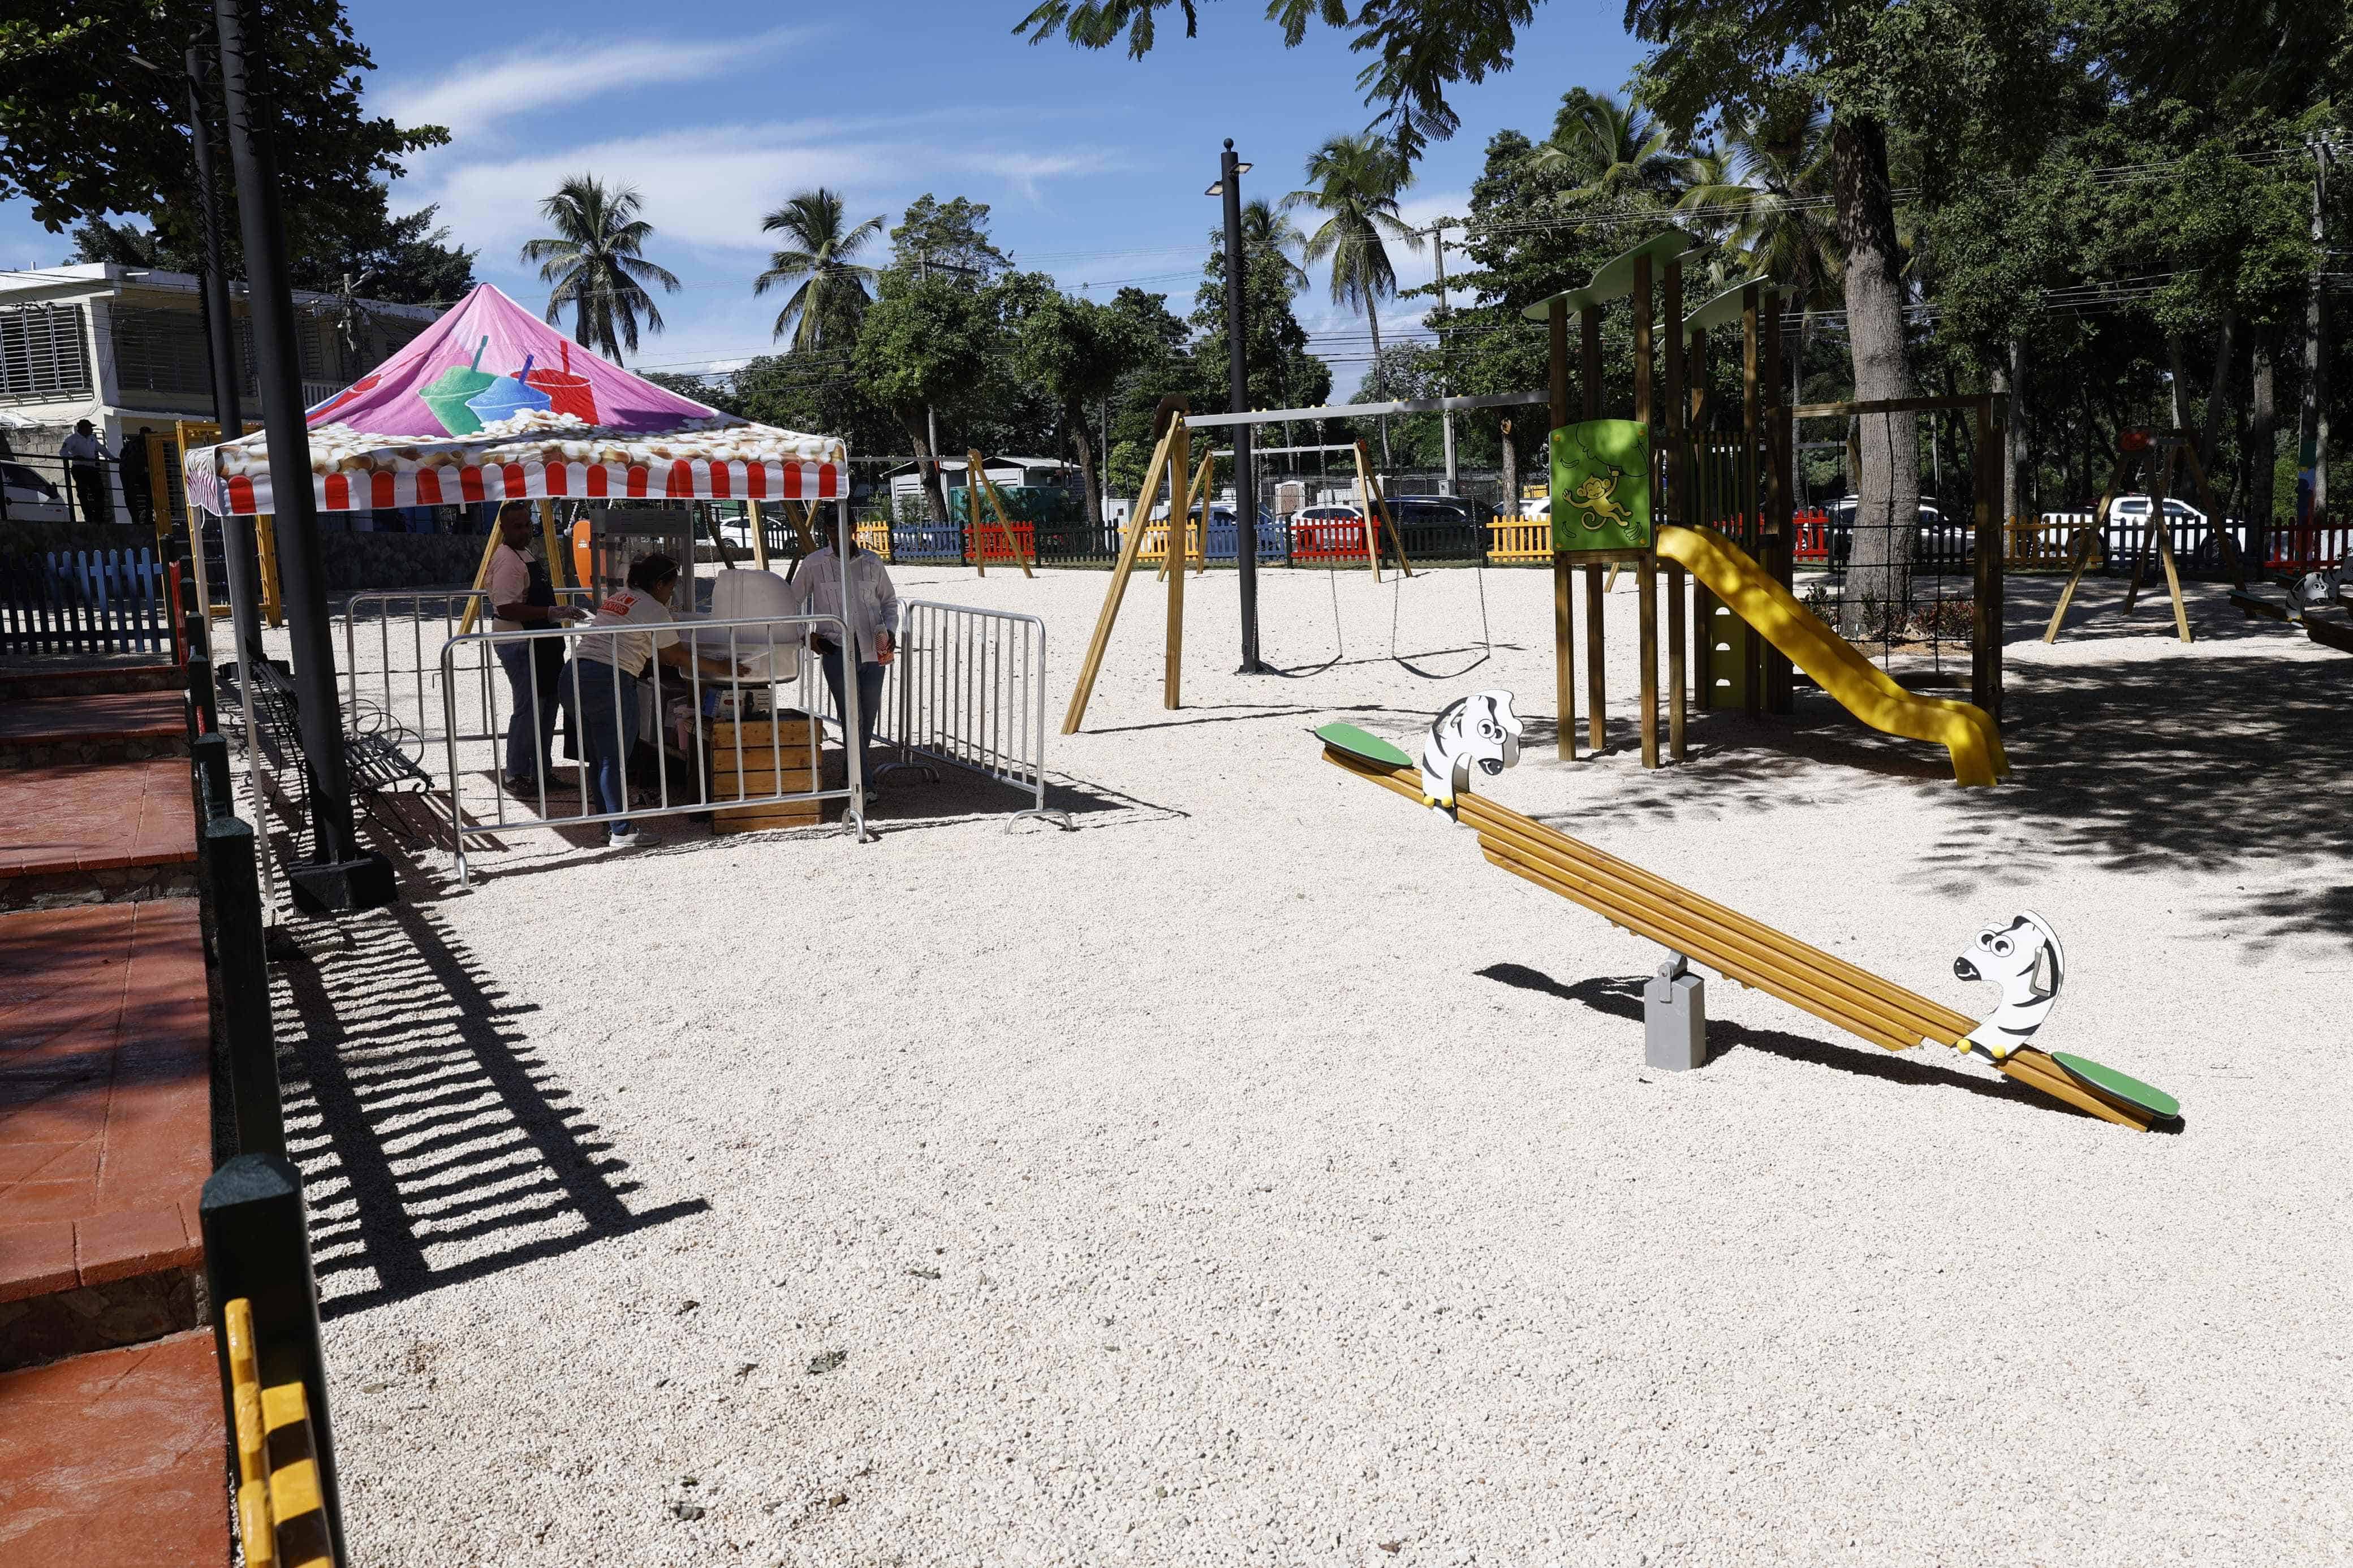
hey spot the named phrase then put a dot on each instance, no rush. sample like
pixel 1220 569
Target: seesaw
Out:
pixel 2022 956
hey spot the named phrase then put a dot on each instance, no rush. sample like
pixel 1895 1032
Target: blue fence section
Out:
pixel 1272 539
pixel 926 542
pixel 85 601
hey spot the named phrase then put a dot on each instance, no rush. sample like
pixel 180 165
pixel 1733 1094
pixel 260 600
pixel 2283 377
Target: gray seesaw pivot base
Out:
pixel 1674 1017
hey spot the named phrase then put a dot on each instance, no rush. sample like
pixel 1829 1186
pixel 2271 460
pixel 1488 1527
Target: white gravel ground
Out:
pixel 1257 1175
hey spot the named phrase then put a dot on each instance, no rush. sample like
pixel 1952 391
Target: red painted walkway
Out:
pixel 92 716
pixel 95 816
pixel 115 1460
pixel 105 1099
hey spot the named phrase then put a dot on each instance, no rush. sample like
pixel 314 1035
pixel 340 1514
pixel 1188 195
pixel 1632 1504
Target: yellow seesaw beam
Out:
pixel 1834 663
pixel 1735 946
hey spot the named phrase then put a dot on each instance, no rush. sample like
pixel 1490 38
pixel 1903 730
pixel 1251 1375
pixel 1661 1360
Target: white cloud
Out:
pixel 476 95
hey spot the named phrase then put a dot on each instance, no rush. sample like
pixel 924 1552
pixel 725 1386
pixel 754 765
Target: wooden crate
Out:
pixel 792 727
pixel 765 818
pixel 779 754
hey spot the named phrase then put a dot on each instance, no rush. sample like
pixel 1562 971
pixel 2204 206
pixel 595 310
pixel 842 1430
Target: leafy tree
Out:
pixel 596 261
pixel 1153 347
pixel 833 292
pixel 1355 181
pixel 406 261
pixel 87 129
pixel 951 236
pixel 926 341
pixel 1277 369
pixel 1267 229
pixel 1617 148
pixel 1072 348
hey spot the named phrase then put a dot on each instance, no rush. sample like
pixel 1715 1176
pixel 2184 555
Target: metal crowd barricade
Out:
pixel 968 688
pixel 760 636
pixel 399 686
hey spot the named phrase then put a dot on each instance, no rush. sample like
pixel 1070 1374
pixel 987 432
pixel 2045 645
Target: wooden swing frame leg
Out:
pixel 1105 618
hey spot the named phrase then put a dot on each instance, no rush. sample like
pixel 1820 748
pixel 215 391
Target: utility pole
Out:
pixel 2312 428
pixel 1445 387
pixel 340 877
pixel 1230 185
pixel 220 340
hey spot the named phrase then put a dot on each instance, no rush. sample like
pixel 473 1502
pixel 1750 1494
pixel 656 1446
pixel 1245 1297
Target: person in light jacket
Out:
pixel 873 619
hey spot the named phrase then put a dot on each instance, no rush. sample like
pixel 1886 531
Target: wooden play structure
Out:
pixel 977 475
pixel 2161 452
pixel 1752 633
pixel 163 470
pixel 1172 457
pixel 1743 950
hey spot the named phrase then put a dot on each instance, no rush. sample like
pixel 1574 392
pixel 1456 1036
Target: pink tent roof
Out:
pixel 491 403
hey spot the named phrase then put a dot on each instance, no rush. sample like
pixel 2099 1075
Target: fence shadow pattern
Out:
pixel 436 1146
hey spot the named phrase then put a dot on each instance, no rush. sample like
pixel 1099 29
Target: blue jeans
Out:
pixel 607 725
pixel 870 704
pixel 524 758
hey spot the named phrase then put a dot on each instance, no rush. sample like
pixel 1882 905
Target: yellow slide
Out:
pixel 1862 688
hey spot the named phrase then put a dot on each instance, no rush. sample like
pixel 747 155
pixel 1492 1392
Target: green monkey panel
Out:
pixel 1601 486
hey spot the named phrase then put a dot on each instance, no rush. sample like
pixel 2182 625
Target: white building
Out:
pixel 907 480
pixel 125 348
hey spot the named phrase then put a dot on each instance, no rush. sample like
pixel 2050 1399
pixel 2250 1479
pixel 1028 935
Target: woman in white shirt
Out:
pixel 602 680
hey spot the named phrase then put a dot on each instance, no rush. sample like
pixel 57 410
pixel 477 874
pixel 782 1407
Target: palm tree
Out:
pixel 824 311
pixel 1355 182
pixel 1616 146
pixel 1765 196
pixel 1266 230
pixel 595 261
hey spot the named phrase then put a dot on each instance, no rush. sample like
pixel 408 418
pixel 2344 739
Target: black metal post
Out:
pixel 340 877
pixel 233 887
pixel 257 1248
pixel 1229 179
pixel 220 338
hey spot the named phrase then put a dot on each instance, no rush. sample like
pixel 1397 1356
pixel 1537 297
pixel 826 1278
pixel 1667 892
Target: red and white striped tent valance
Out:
pixel 492 404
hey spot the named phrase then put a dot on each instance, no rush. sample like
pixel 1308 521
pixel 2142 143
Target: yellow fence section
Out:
pixel 1155 541
pixel 1519 538
pixel 282 1515
pixel 875 536
pixel 2042 543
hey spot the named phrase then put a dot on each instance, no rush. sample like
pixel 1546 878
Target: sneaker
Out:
pixel 617 839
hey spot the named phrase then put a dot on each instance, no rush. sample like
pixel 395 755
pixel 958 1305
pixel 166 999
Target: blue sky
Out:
pixel 1093 165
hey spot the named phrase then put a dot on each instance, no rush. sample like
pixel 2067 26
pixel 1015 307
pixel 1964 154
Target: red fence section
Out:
pixel 987 542
pixel 2313 546
pixel 1322 538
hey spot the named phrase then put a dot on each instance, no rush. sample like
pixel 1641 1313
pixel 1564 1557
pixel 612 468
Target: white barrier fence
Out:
pixel 673 709
pixel 969 688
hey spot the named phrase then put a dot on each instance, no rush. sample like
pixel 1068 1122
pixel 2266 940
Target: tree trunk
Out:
pixel 2180 368
pixel 1373 319
pixel 1887 492
pixel 2218 392
pixel 1509 501
pixel 1076 416
pixel 2262 454
pixel 927 467
pixel 2312 430
pixel 2016 459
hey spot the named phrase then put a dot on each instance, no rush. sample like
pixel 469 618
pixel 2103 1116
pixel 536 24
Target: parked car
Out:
pixel 2135 509
pixel 1934 540
pixel 30 498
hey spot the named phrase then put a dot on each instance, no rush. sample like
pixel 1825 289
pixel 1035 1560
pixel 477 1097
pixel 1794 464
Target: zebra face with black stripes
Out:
pixel 1477 731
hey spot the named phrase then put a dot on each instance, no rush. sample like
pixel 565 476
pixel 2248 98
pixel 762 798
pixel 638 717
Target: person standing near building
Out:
pixel 85 458
pixel 872 618
pixel 522 598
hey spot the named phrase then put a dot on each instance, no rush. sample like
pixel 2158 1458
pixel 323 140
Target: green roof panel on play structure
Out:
pixel 1726 308
pixel 1614 278
pixel 1601 486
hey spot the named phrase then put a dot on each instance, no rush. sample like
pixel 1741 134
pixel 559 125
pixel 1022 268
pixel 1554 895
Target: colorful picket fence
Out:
pixel 85 601
pixel 1512 539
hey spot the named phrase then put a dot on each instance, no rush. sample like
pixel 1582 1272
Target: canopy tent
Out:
pixel 492 404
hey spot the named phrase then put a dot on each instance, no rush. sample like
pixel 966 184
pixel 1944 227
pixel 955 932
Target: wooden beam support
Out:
pixel 1564 648
pixel 1180 454
pixel 1128 550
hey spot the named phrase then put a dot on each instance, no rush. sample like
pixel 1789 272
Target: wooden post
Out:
pixel 1180 496
pixel 2213 509
pixel 1646 588
pixel 1986 612
pixel 1778 513
pixel 1597 680
pixel 2080 548
pixel 805 536
pixel 1198 485
pixel 1109 614
pixel 1365 512
pixel 265 536
pixel 759 525
pixel 2161 534
pixel 553 537
pixel 1380 500
pixel 1004 521
pixel 1564 647
pixel 1678 485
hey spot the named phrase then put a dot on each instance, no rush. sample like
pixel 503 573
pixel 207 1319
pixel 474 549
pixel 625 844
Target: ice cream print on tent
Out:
pixel 491 403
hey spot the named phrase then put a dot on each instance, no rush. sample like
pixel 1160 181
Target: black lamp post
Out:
pixel 236 532
pixel 340 877
pixel 1230 185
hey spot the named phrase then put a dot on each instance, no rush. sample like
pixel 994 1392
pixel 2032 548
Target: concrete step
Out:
pixel 33 678
pixel 94 727
pixel 80 833
pixel 105 1126
pixel 116 1458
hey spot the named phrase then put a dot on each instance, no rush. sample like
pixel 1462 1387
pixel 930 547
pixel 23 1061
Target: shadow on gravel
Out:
pixel 435 1146
pixel 1622 998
